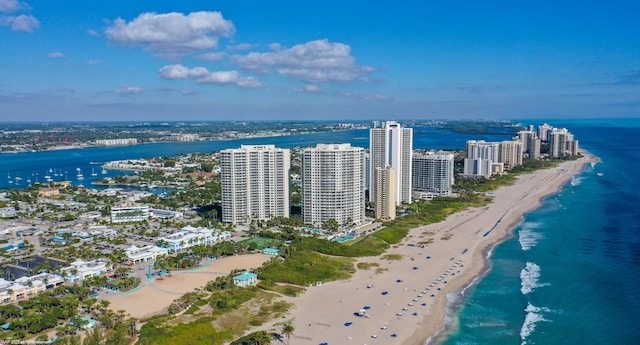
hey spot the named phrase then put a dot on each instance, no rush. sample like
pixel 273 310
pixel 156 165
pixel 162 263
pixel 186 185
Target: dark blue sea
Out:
pixel 569 275
pixel 571 272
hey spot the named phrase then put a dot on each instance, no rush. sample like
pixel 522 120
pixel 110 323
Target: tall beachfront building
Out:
pixel 433 174
pixel 385 193
pixel 481 156
pixel 391 145
pixel 511 153
pixel 333 184
pixel 255 183
pixel 561 143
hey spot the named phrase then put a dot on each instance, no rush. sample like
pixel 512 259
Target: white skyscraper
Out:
pixel 484 150
pixel 333 184
pixel 433 173
pixel 255 183
pixel 561 143
pixel 511 153
pixel 392 145
pixel 480 157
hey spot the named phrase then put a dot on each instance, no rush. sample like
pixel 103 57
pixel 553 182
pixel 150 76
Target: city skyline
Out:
pixel 161 60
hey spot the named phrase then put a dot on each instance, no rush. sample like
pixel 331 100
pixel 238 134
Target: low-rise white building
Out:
pixel 80 269
pixel 129 213
pixel 165 214
pixel 26 287
pixel 136 255
pixel 189 236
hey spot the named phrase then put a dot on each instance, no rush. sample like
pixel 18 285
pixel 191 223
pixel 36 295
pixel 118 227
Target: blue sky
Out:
pixel 260 60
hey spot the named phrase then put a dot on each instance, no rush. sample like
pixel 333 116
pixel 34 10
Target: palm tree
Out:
pixel 287 330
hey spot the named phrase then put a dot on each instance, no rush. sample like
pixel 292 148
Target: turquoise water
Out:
pixel 571 272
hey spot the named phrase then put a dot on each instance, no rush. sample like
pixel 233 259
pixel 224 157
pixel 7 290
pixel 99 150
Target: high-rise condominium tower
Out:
pixel 561 143
pixel 386 193
pixel 333 184
pixel 433 173
pixel 391 145
pixel 255 183
pixel 511 153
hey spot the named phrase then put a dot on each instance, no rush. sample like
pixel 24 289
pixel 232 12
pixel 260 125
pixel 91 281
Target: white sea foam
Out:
pixel 533 316
pixel 576 180
pixel 527 237
pixel 529 278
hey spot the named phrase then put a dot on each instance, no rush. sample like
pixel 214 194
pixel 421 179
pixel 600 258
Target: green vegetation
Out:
pixel 366 265
pixel 287 290
pixel 256 338
pixel 337 249
pixel 446 236
pixel 224 315
pixel 304 267
pixel 392 257
pixel 200 331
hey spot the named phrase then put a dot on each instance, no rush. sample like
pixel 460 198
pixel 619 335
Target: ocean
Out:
pixel 571 272
pixel 569 275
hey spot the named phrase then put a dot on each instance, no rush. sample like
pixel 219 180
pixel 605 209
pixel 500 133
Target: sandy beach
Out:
pixel 155 296
pixel 406 303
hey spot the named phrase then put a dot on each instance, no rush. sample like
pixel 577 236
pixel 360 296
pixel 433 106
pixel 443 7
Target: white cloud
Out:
pixel 93 33
pixel 212 56
pixel 204 76
pixel 23 22
pixel 55 55
pixel 11 6
pixel 171 34
pixel 311 88
pixel 93 62
pixel 188 92
pixel 127 90
pixel 313 62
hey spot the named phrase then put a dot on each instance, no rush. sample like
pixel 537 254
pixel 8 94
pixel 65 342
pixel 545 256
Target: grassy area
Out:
pixel 260 242
pixel 361 248
pixel 304 267
pixel 287 290
pixel 446 236
pixel 200 331
pixel 229 314
pixel 366 265
pixel 392 257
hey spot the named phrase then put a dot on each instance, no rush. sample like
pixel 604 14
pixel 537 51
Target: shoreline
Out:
pixel 409 301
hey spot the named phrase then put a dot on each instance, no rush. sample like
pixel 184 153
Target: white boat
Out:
pixel 79 176
pixel 93 172
pixel 104 171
